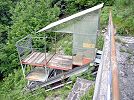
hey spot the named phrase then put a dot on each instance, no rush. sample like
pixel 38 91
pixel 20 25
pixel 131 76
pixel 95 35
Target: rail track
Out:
pixel 52 82
pixel 107 85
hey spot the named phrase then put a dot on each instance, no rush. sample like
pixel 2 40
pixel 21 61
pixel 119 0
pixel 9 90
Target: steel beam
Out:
pixel 115 81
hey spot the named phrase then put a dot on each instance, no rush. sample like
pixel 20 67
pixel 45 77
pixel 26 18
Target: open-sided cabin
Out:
pixel 79 32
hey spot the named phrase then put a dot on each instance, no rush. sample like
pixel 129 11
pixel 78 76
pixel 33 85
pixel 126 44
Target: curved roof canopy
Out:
pixel 81 22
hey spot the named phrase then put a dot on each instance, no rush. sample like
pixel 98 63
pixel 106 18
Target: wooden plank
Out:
pixel 54 61
pixel 33 58
pixel 60 68
pixel 60 62
pixel 37 58
pixel 41 59
pixel 29 56
pixel 66 57
pixel 37 65
pixel 61 59
pixel 35 53
pixel 49 56
pixel 77 60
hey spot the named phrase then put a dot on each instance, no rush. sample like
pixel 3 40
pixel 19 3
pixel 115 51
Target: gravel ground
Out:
pixel 125 59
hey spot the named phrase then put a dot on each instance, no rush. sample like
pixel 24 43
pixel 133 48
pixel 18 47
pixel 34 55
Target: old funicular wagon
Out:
pixel 53 62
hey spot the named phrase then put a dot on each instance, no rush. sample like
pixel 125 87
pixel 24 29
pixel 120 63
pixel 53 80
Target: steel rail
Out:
pixel 107 75
pixel 60 77
pixel 115 81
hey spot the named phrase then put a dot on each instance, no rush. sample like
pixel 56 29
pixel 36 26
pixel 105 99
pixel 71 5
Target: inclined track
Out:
pixel 33 85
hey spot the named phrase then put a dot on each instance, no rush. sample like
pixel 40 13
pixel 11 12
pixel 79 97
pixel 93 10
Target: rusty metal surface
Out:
pixel 38 74
pixel 115 81
pixel 102 74
pixel 57 78
pixel 107 71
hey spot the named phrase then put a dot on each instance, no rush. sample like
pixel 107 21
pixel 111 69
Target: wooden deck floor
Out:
pixel 37 59
pixel 61 62
pixel 55 61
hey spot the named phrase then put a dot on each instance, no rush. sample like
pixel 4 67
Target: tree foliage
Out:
pixel 12 88
pixel 19 18
pixel 124 16
pixel 5 20
pixel 72 6
pixel 28 16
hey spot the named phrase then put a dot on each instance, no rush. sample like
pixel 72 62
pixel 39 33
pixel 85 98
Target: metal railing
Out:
pixel 107 76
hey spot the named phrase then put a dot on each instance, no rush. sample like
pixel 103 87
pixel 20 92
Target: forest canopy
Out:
pixel 19 18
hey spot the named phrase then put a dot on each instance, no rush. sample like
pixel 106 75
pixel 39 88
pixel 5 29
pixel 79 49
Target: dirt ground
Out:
pixel 125 59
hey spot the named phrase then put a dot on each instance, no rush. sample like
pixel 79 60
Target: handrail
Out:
pixel 115 81
pixel 108 71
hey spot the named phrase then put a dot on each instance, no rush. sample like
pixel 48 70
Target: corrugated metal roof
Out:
pixel 71 17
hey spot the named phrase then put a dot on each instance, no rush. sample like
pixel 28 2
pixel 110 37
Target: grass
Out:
pixel 89 94
pixel 117 39
pixel 65 44
pixel 100 42
pixel 61 92
pixel 11 87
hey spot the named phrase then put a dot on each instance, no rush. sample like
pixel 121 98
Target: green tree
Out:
pixel 69 7
pixel 5 20
pixel 28 16
pixel 5 23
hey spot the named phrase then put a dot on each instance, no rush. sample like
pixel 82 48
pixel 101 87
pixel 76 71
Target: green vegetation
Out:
pixel 62 92
pixel 12 88
pixel 65 44
pixel 89 94
pixel 19 18
pixel 22 17
pixel 85 75
pixel 123 16
pixel 100 42
pixel 28 16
